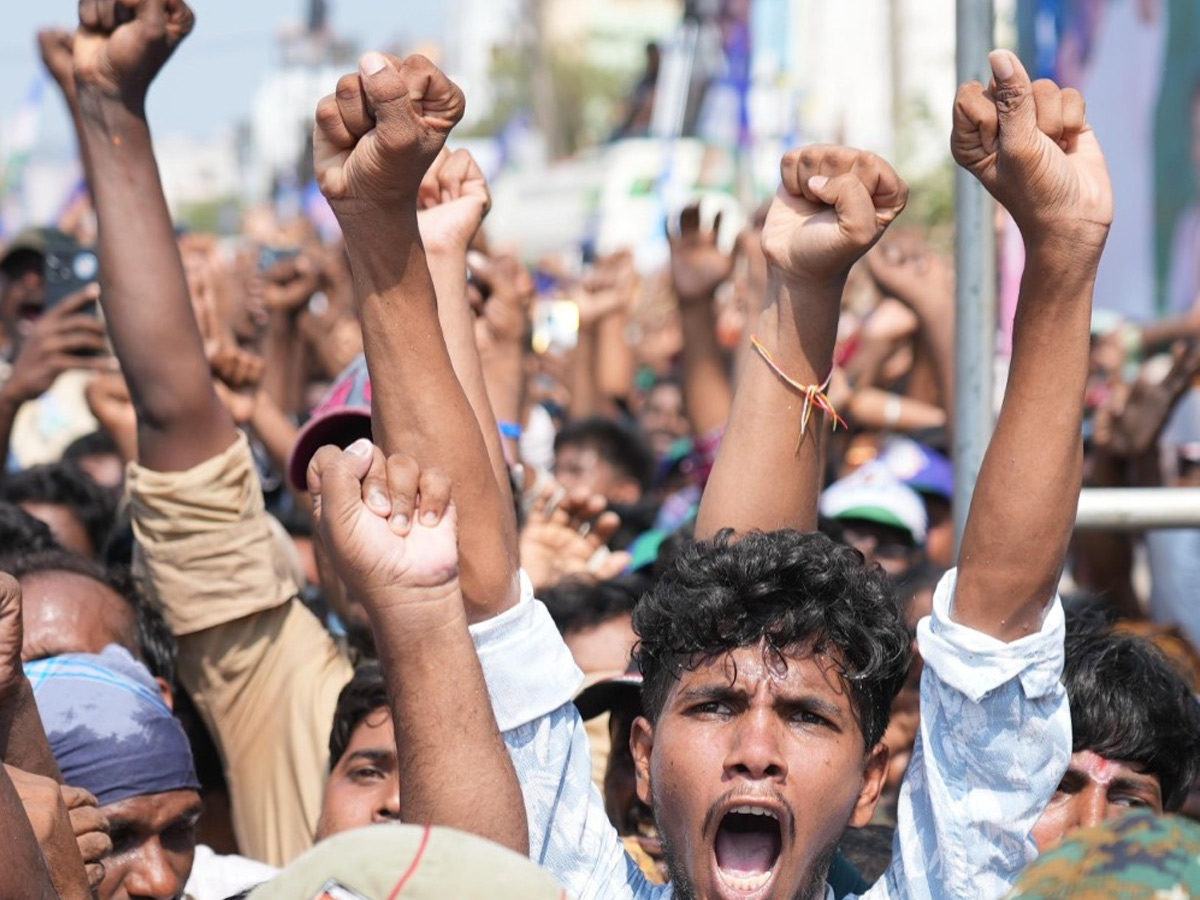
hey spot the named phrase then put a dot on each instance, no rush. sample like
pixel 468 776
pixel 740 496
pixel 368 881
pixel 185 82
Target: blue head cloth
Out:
pixel 109 728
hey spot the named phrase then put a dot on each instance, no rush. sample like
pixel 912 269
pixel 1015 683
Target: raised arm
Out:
pixel 144 292
pixel 833 205
pixel 1031 147
pixel 374 141
pixel 407 578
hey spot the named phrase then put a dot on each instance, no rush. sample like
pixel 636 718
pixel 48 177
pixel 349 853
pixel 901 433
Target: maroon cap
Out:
pixel 341 418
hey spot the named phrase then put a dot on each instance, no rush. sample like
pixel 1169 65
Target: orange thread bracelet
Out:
pixel 814 394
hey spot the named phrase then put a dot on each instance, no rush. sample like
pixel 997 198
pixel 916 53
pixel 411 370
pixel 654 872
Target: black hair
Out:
pixel 1128 702
pixel 22 533
pixel 62 484
pixel 156 645
pixel 362 695
pixel 579 603
pixel 787 590
pixel 97 443
pixel 616 443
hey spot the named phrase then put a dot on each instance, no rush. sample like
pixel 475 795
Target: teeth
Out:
pixel 745 883
pixel 755 811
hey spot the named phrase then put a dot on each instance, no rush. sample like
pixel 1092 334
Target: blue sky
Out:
pixel 211 80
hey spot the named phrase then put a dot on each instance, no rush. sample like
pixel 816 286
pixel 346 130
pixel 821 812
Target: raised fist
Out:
pixel 378 134
pixel 121 44
pixel 389 526
pixel 56 47
pixel 453 200
pixel 698 264
pixel 1030 146
pixel 833 205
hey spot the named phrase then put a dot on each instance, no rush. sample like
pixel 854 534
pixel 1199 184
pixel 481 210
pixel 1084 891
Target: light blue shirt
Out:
pixel 994 742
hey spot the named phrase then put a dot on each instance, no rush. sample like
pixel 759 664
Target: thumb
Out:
pixel 335 479
pixel 851 201
pixel 1013 94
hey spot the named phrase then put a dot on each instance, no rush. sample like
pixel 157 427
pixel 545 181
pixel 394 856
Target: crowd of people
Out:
pixel 334 571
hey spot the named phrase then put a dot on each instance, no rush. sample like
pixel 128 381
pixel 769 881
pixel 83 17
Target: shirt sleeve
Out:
pixel 993 745
pixel 531 679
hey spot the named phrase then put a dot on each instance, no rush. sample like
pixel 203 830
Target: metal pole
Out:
pixel 975 279
pixel 1132 509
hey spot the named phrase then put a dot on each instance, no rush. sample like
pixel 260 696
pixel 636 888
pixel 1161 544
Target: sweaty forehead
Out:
pixel 757 667
pixel 65 612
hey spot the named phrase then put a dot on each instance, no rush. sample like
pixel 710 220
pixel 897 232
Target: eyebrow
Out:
pixel 709 693
pixel 372 755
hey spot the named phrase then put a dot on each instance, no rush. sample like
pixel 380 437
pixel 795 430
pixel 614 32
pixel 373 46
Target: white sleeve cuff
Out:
pixel 975 664
pixel 528 669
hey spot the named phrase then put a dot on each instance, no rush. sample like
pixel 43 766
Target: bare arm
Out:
pixel 145 296
pixel 408 581
pixel 1023 510
pixel 833 205
pixel 24 875
pixel 373 145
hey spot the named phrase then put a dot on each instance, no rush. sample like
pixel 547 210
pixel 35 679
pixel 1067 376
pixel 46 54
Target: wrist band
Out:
pixel 510 430
pixel 814 394
pixel 892 409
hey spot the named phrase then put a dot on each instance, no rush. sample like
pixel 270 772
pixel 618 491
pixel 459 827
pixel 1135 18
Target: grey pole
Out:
pixel 975 280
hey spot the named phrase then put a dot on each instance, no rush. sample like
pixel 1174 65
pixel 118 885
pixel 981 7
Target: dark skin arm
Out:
pixel 1012 138
pixel 408 581
pixel 834 204
pixel 24 875
pixel 181 422
pixel 373 146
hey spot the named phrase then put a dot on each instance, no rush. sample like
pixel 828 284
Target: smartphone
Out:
pixel 555 325
pixel 69 268
pixel 269 256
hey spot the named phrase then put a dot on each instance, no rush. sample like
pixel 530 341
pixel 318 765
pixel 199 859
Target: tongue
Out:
pixel 746 852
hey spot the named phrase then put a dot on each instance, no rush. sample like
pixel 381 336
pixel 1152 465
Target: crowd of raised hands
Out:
pixel 649 577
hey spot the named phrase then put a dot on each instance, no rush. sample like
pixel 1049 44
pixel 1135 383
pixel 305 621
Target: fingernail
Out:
pixel 400 522
pixel 378 500
pixel 361 447
pixel 371 63
pixel 430 518
pixel 1002 66
pixel 818 182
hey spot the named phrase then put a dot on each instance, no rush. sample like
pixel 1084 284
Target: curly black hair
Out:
pixel 362 695
pixel 788 589
pixel 1128 702
pixel 62 484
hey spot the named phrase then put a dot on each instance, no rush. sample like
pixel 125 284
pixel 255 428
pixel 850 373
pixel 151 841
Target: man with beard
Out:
pixel 770 659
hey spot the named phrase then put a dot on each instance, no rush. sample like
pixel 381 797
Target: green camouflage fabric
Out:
pixel 1139 856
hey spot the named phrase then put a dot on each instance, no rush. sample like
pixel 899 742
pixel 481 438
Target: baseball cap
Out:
pixel 341 418
pixel 29 240
pixel 922 468
pixel 1137 856
pixel 603 694
pixel 384 862
pixel 873 494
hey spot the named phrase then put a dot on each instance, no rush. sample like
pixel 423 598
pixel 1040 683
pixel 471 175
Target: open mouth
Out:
pixel 747 847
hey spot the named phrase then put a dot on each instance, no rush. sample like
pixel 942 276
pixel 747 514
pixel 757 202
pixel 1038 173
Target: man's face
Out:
pixel 364 786
pixel 661 418
pixel 22 292
pixel 1094 790
pixel 154 841
pixel 69 613
pixel 883 544
pixel 753 769
pixel 606 647
pixel 625 809
pixel 578 466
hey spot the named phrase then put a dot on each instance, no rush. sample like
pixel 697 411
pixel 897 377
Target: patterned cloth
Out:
pixel 994 743
pixel 1139 856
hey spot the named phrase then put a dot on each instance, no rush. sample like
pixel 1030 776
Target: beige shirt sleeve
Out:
pixel 263 671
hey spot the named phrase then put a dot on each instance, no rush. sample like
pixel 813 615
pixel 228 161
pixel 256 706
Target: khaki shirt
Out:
pixel 263 671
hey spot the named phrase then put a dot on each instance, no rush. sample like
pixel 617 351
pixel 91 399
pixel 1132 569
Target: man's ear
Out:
pixel 875 770
pixel 167 692
pixel 641 743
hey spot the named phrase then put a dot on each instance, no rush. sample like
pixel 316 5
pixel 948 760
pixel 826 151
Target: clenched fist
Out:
pixel 121 44
pixel 378 134
pixel 833 205
pixel 1031 147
